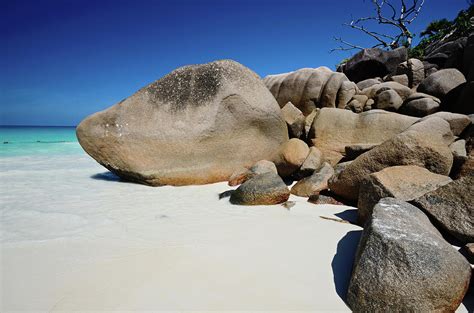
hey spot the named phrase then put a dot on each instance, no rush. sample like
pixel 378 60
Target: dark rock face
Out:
pixel 401 182
pixel 196 125
pixel 263 189
pixel 374 62
pixel 452 207
pixel 403 264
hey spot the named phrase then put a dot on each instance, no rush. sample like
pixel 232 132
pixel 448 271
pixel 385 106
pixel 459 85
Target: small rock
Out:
pixel 388 100
pixel 261 167
pixel 294 119
pixel 401 79
pixel 263 189
pixel 291 156
pixel 315 183
pixel 313 161
pixel 366 83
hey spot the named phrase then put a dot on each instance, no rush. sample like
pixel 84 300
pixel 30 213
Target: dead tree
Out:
pixel 387 15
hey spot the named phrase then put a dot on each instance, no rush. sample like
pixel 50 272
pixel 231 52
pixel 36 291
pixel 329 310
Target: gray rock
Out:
pixel 441 82
pixel 242 175
pixel 315 183
pixel 459 148
pixel 403 264
pixel 196 125
pixel 369 105
pixel 419 107
pixel 388 100
pixel 366 83
pixel 263 189
pixel 313 161
pixel 294 119
pixel 401 79
pixel 374 62
pixel 451 207
pixel 401 182
pixel 414 69
pixel 457 122
pixel 403 91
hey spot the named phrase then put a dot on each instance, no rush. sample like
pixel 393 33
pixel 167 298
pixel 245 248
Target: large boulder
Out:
pixel 196 125
pixel 441 82
pixel 263 189
pixel 403 91
pixel 401 182
pixel 374 62
pixel 424 144
pixel 388 100
pixel 452 207
pixel 457 122
pixel 403 264
pixel 420 104
pixel 334 129
pixel 311 88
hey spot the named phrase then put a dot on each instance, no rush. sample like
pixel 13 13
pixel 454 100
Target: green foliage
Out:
pixel 461 26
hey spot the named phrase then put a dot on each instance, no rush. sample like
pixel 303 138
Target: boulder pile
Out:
pixel 390 134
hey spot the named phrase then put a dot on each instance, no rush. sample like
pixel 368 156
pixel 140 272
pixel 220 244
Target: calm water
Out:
pixel 34 140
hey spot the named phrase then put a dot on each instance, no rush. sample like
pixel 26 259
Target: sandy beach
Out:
pixel 74 237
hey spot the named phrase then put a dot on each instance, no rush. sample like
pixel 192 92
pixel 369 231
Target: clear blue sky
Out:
pixel 62 60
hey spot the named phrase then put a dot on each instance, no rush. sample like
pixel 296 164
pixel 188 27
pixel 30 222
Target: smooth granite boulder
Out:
pixel 313 161
pixel 441 82
pixel 311 88
pixel 291 156
pixel 403 264
pixel 452 207
pixel 369 82
pixel 263 189
pixel 374 62
pixel 428 149
pixel 388 100
pixel 401 182
pixel 457 122
pixel 334 129
pixel 196 125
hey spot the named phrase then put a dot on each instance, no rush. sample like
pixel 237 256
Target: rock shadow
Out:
pixel 348 215
pixel 109 176
pixel 343 261
pixel 468 300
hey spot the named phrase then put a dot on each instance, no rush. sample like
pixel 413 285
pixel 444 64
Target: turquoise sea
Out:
pixel 38 140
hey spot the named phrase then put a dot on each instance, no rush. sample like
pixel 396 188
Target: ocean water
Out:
pixel 38 140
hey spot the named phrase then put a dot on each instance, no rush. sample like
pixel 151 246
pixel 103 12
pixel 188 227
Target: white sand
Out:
pixel 73 242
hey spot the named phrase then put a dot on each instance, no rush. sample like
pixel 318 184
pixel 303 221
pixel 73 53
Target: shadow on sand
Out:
pixel 343 260
pixel 108 176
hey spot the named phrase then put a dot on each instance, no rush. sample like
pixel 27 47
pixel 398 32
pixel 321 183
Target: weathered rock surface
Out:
pixel 403 264
pixel 419 107
pixel 401 182
pixel 401 79
pixel 315 183
pixel 313 161
pixel 366 83
pixel 457 122
pixel 353 151
pixel 388 100
pixel 196 125
pixel 261 167
pixel 412 147
pixel 311 88
pixel 357 103
pixel 334 129
pixel 291 156
pixel 374 62
pixel 263 189
pixel 452 207
pixel 403 91
pixel 414 69
pixel 295 120
pixel 441 82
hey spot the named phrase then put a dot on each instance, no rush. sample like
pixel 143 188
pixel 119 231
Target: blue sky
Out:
pixel 62 60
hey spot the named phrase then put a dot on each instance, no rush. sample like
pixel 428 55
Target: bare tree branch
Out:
pixel 349 46
pixel 398 19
